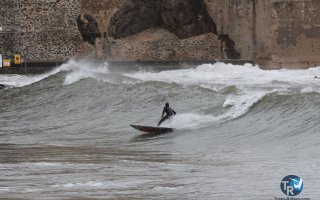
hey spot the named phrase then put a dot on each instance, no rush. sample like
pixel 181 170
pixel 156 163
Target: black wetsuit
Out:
pixel 169 113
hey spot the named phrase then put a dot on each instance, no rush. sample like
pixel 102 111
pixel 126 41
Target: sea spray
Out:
pixel 189 121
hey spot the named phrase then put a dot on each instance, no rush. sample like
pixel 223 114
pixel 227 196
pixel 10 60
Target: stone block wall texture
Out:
pixel 273 33
pixel 40 30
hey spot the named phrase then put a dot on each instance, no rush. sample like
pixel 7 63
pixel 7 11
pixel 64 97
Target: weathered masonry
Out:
pixel 39 30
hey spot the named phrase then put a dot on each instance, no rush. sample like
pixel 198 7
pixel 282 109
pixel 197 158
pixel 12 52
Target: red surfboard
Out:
pixel 152 129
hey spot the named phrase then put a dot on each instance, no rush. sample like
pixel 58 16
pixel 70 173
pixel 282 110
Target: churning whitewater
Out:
pixel 238 131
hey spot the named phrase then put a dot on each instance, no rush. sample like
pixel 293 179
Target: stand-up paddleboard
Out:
pixel 152 129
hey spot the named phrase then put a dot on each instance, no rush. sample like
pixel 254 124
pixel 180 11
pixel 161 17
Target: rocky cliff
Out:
pixel 273 33
pixel 153 30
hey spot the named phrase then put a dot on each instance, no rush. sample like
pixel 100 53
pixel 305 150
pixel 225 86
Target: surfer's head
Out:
pixel 167 104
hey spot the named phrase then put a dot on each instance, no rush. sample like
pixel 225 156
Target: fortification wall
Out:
pixel 40 30
pixel 295 29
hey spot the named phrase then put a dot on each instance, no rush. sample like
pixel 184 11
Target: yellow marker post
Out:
pixel 17 59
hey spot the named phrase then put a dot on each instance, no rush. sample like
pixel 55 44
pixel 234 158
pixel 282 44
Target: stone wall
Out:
pixel 40 30
pixel 7 23
pixel 295 39
pixel 273 33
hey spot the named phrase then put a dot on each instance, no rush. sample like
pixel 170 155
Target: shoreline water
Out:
pixel 43 67
pixel 30 68
pixel 65 134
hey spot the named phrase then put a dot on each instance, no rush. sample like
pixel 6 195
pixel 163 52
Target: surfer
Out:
pixel 169 113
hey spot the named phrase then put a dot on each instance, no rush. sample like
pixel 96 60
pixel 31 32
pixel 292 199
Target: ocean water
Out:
pixel 238 132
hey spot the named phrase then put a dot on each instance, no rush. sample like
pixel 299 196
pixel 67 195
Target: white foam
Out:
pixel 76 71
pixel 84 70
pixel 84 185
pixel 47 164
pixel 242 76
pixel 116 184
pixel 189 121
pixel 4 189
pixel 166 188
pixel 240 104
pixel 24 80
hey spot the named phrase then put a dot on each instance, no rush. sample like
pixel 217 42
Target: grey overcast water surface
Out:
pixel 239 130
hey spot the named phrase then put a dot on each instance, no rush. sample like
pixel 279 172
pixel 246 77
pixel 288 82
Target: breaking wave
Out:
pixel 242 85
pixel 252 84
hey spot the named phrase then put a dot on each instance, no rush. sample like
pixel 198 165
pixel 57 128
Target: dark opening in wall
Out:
pixel 184 18
pixel 88 28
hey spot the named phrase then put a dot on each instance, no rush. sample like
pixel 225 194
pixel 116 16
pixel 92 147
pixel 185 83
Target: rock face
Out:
pixel 89 29
pixel 180 29
pixel 274 33
pixel 184 18
pixel 135 17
